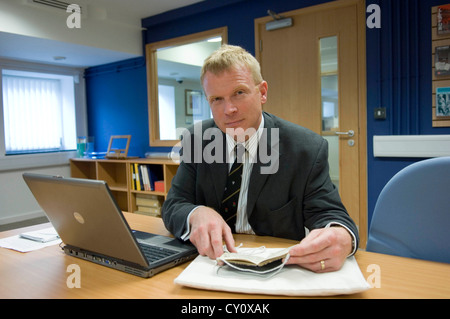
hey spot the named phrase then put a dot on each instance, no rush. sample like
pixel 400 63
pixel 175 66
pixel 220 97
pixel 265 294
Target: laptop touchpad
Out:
pixel 142 236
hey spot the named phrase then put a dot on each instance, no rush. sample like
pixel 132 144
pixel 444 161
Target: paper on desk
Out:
pixel 290 281
pixel 42 235
pixel 26 245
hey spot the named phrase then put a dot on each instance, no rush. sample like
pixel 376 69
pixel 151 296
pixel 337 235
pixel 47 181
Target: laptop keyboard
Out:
pixel 153 253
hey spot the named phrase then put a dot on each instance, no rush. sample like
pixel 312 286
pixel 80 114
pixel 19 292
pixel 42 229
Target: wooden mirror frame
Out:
pixel 152 77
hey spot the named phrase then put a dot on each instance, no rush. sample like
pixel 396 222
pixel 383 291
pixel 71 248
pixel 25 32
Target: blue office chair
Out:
pixel 412 214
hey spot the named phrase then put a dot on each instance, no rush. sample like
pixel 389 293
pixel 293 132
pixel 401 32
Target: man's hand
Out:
pixel 209 231
pixel 323 250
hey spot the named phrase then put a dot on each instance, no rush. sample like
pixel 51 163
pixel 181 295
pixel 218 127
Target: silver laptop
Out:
pixel 92 227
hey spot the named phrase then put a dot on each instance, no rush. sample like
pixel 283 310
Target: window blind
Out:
pixel 32 114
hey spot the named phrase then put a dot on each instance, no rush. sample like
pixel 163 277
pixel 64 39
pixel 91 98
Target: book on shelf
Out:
pixel 147 204
pixel 150 211
pixel 148 200
pixel 143 212
pixel 144 176
pixel 135 177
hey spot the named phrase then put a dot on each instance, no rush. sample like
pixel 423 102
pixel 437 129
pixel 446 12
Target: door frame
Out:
pixel 362 93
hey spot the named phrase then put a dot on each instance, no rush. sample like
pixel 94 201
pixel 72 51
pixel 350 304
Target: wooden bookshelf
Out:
pixel 118 174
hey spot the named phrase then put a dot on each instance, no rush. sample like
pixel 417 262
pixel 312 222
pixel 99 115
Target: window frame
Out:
pixel 21 161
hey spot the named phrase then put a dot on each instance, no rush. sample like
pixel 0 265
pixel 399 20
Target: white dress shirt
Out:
pixel 251 147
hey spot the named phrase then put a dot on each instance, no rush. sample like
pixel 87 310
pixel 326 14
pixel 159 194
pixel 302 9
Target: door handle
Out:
pixel 349 133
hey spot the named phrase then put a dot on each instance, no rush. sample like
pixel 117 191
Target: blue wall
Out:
pixel 398 73
pixel 117 104
pixel 399 78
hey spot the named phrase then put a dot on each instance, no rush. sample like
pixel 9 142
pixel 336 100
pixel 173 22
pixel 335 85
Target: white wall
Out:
pixel 36 33
pixel 16 201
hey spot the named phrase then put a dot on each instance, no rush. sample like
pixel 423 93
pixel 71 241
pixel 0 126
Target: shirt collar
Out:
pixel 251 145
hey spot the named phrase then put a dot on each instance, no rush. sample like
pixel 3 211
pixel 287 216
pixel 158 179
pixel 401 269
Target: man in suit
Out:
pixel 285 183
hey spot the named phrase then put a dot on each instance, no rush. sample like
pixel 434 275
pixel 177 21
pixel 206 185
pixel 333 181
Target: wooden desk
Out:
pixel 43 273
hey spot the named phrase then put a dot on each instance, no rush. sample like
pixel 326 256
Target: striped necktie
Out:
pixel 232 188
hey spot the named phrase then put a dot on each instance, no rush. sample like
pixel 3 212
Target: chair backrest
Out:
pixel 412 214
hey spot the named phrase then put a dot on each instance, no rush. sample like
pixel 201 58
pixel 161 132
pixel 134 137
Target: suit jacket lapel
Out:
pixel 257 180
pixel 218 171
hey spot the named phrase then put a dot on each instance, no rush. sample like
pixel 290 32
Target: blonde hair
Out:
pixel 228 57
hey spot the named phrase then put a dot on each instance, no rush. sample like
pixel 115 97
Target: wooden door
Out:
pixel 316 75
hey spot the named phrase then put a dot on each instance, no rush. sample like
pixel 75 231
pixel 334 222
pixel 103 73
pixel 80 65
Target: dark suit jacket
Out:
pixel 299 194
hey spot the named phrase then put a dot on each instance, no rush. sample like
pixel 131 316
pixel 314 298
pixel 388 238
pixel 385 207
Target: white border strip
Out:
pixel 411 146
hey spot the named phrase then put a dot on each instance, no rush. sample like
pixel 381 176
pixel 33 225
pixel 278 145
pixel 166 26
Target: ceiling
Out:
pixel 15 46
pixel 31 49
pixel 140 9
pixel 146 8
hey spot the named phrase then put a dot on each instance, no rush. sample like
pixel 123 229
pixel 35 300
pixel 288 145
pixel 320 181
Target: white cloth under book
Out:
pixel 292 280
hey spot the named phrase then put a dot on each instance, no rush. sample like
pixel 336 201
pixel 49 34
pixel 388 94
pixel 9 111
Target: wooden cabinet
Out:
pixel 119 175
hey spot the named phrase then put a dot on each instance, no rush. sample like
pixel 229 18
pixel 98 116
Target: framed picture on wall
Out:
pixel 442 60
pixel 440 44
pixel 193 102
pixel 443 102
pixel 443 19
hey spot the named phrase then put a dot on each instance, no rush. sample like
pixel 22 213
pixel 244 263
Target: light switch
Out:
pixel 380 113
